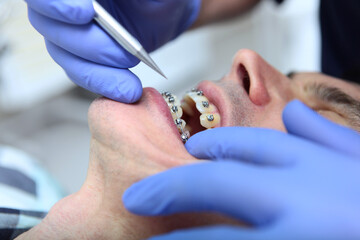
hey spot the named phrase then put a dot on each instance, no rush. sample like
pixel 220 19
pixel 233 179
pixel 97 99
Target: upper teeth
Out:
pixel 209 117
pixel 205 104
pixel 176 112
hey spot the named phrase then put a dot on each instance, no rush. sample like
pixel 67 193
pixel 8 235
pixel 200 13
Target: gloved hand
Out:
pixel 89 56
pixel 310 191
pixel 299 121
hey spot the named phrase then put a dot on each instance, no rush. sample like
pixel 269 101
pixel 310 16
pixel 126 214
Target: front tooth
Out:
pixel 188 128
pixel 172 101
pixel 205 107
pixel 209 120
pixel 180 124
pixel 187 108
pixel 185 136
pixel 176 112
pixel 196 97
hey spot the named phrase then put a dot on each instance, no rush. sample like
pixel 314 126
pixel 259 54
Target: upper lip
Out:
pixel 217 95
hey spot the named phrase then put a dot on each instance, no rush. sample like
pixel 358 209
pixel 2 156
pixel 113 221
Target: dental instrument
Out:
pixel 123 37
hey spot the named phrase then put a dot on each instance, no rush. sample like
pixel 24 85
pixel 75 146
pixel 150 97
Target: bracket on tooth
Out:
pixel 205 104
pixel 200 93
pixel 174 109
pixel 210 118
pixel 185 137
pixel 178 121
pixel 166 94
pixel 171 99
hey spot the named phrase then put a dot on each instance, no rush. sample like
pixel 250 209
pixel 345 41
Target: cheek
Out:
pixel 270 117
pixel 274 121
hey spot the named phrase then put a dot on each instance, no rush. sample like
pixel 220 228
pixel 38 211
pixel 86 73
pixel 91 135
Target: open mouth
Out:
pixel 195 113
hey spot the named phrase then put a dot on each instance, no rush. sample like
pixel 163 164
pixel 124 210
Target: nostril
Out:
pixel 245 78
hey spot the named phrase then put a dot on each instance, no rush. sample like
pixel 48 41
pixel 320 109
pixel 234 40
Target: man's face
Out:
pixel 131 142
pixel 255 94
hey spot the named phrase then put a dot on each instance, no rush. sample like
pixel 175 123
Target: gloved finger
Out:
pixel 304 122
pixel 214 187
pixel 255 145
pixel 70 11
pixel 220 232
pixel 89 41
pixel 117 84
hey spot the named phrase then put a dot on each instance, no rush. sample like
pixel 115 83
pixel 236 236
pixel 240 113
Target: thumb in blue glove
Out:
pixel 303 122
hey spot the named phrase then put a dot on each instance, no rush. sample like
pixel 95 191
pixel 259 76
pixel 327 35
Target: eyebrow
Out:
pixel 334 95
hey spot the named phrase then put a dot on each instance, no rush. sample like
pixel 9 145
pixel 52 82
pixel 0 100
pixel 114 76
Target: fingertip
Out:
pixel 129 91
pixel 294 112
pixel 134 198
pixel 190 145
pixel 129 199
pixel 120 85
pixel 199 144
pixel 195 146
pixel 117 84
pixel 292 107
pixel 300 119
pixel 143 198
pixel 303 122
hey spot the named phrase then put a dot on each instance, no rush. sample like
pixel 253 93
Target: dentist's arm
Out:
pixel 214 10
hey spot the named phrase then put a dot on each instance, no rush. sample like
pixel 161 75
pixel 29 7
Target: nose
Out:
pixel 262 81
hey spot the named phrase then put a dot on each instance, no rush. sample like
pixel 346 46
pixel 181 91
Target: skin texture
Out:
pixel 131 142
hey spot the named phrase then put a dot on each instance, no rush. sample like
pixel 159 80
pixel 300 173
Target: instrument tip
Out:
pixel 162 74
pixel 144 56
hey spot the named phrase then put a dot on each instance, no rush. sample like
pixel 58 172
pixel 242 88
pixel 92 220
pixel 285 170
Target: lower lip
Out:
pixel 163 108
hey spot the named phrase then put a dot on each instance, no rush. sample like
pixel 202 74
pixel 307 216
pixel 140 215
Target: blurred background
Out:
pixel 45 115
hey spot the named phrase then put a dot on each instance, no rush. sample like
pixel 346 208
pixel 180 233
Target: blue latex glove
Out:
pixel 89 56
pixel 299 120
pixel 310 191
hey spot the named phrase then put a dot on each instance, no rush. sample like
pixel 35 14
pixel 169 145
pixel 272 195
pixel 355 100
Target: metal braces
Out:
pixel 185 135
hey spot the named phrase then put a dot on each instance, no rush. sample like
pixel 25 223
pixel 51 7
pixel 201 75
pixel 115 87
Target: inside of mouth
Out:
pixel 193 123
pixel 193 114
